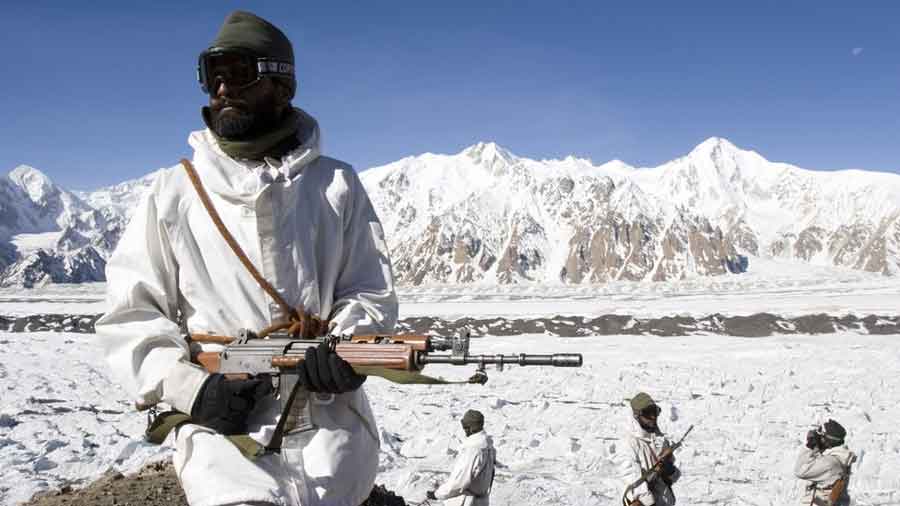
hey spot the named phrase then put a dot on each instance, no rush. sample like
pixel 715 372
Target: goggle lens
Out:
pixel 651 411
pixel 234 69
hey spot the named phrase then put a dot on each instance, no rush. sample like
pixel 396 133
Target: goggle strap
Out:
pixel 274 67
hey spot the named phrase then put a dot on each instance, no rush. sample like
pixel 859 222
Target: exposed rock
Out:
pixel 756 325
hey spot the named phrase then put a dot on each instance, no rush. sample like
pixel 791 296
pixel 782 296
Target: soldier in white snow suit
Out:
pixel 639 453
pixel 306 224
pixel 825 464
pixel 470 481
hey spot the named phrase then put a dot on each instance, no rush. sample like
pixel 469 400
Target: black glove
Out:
pixel 668 471
pixel 223 405
pixel 430 495
pixel 323 370
pixel 812 440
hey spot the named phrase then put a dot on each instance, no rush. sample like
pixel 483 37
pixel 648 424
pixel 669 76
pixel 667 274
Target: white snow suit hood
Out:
pixel 307 225
pixel 469 483
pixel 821 469
pixel 639 451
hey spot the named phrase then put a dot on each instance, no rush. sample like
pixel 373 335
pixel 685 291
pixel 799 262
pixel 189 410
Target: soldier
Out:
pixel 306 250
pixel 641 452
pixel 825 463
pixel 469 484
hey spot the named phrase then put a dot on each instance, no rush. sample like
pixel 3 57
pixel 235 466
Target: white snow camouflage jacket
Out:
pixel 469 483
pixel 308 226
pixel 639 454
pixel 822 469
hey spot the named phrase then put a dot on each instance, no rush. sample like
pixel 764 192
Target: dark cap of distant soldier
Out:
pixel 641 401
pixel 835 432
pixel 472 421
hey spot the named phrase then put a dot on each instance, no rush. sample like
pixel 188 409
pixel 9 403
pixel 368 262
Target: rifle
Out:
pixel 654 471
pixel 398 358
pixel 839 488
pixel 394 357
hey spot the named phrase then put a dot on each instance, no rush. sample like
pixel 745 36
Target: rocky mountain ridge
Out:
pixel 485 215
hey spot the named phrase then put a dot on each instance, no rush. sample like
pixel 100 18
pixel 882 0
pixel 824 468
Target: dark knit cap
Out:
pixel 473 418
pixel 246 30
pixel 641 401
pixel 834 431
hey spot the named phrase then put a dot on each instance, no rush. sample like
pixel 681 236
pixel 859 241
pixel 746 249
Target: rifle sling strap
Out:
pixel 167 421
pixel 232 243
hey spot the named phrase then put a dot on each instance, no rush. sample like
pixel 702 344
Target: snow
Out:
pixel 782 287
pixel 556 431
pixel 62 419
pixel 447 217
pixel 26 243
pixel 85 298
pixel 34 182
pixel 458 213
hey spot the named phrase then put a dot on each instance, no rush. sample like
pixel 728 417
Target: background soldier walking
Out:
pixel 470 481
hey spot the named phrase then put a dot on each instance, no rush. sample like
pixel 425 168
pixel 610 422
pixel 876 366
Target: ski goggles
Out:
pixel 237 68
pixel 651 411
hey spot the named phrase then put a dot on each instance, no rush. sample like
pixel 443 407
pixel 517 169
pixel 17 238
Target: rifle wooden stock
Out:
pixel 837 490
pixel 358 354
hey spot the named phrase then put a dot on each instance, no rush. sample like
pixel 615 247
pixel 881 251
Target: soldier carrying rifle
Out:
pixel 825 463
pixel 303 252
pixel 648 457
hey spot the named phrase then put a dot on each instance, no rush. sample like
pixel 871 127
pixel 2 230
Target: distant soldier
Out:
pixel 470 481
pixel 641 459
pixel 825 463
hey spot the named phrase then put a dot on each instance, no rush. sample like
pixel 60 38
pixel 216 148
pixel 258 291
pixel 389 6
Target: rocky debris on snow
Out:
pixel 381 496
pixel 154 485
pixel 755 325
pixel 81 324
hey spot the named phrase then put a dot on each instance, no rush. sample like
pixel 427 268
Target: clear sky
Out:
pixel 101 92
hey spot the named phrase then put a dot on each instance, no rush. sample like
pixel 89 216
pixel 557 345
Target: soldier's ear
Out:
pixel 284 92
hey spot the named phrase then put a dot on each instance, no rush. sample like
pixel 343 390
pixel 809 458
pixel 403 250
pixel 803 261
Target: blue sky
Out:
pixel 103 92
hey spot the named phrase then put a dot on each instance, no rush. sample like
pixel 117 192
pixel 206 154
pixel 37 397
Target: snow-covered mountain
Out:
pixel 48 234
pixel 485 215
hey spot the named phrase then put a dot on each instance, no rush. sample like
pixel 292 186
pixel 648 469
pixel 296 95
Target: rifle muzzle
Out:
pixel 523 359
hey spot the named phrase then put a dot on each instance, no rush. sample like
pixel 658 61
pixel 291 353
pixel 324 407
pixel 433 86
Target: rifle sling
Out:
pixel 167 421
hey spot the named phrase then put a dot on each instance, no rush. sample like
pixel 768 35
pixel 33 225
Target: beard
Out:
pixel 243 121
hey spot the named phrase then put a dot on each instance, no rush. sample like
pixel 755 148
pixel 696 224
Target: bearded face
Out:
pixel 244 113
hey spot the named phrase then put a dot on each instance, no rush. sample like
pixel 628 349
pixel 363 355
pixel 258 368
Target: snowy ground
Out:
pixel 556 430
pixel 786 289
pixel 61 419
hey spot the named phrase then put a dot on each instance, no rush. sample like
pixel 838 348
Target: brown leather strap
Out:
pixel 235 247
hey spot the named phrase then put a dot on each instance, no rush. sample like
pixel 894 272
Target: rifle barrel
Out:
pixel 555 360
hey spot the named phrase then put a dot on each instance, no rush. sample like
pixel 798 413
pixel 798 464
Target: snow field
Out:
pixel 752 400
pixel 556 430
pixel 61 417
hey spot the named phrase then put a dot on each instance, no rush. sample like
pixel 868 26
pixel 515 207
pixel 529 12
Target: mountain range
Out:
pixel 485 215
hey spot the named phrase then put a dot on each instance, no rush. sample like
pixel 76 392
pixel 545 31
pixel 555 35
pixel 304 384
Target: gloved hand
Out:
pixel 224 405
pixel 668 471
pixel 323 370
pixel 812 440
pixel 430 495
